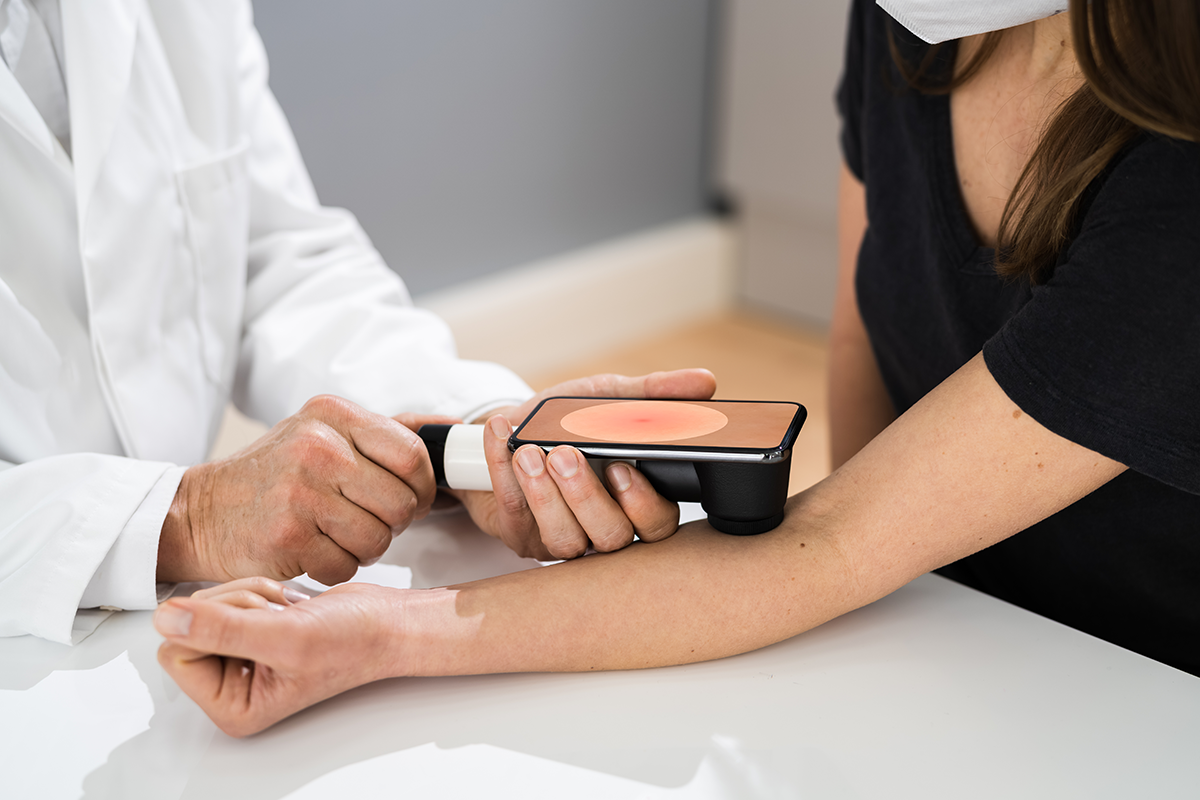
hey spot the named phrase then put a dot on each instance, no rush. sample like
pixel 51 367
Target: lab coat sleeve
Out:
pixel 59 521
pixel 323 312
pixel 125 578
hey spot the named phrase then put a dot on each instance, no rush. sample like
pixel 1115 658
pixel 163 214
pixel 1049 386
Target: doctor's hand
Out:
pixel 553 506
pixel 323 492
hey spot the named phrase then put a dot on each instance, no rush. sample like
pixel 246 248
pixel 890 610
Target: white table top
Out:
pixel 934 692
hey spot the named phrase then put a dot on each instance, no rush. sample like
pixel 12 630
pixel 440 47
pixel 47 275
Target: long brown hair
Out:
pixel 1141 62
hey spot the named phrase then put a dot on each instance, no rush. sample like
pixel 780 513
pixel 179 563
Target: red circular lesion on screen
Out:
pixel 644 421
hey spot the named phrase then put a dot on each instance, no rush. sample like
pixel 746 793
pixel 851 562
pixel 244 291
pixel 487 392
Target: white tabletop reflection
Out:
pixel 936 691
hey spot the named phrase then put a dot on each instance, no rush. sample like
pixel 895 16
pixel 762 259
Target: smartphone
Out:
pixel 740 431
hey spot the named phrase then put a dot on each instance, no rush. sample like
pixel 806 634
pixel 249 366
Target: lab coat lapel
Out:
pixel 99 38
pixel 18 110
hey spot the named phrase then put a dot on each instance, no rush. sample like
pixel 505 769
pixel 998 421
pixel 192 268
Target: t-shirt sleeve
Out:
pixel 850 92
pixel 1107 352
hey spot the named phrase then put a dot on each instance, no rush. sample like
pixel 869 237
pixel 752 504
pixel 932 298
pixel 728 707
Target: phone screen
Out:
pixel 663 425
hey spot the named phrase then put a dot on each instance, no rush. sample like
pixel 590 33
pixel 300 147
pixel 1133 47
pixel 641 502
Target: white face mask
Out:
pixel 941 20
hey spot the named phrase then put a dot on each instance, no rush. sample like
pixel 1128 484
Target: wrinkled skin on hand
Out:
pixel 553 506
pixel 287 652
pixel 323 492
pixel 327 489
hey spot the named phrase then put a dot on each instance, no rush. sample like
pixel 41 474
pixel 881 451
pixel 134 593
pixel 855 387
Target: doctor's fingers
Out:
pixel 609 517
pixel 604 522
pixel 686 384
pixel 381 440
pixel 654 517
pixel 561 533
pixel 346 537
pixel 381 493
pixel 513 522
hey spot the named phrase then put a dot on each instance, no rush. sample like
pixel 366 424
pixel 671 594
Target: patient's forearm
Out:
pixel 963 469
pixel 697 596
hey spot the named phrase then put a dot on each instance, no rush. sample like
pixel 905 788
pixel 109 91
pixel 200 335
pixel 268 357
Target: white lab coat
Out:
pixel 177 259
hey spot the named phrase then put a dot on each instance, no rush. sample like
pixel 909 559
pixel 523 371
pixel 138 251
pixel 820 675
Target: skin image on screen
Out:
pixel 694 424
pixel 644 421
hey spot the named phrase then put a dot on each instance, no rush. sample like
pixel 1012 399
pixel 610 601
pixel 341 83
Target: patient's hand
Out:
pixel 250 655
pixel 554 506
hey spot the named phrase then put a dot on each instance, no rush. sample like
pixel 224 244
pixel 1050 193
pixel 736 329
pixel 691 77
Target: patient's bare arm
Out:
pixel 961 470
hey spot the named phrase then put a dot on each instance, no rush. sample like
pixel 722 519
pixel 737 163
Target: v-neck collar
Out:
pixel 954 225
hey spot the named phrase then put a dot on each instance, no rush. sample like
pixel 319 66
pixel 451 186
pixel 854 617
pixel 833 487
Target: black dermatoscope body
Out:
pixel 742 490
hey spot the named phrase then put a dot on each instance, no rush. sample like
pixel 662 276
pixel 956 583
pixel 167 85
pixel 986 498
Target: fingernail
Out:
pixel 172 621
pixel 274 606
pixel 529 461
pixel 293 596
pixel 619 477
pixel 500 427
pixel 564 462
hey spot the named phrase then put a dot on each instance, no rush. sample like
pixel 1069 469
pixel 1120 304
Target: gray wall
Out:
pixel 778 154
pixel 473 135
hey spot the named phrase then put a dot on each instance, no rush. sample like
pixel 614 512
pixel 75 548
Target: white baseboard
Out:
pixel 539 317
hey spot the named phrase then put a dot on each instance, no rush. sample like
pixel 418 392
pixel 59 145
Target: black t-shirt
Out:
pixel 1105 352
